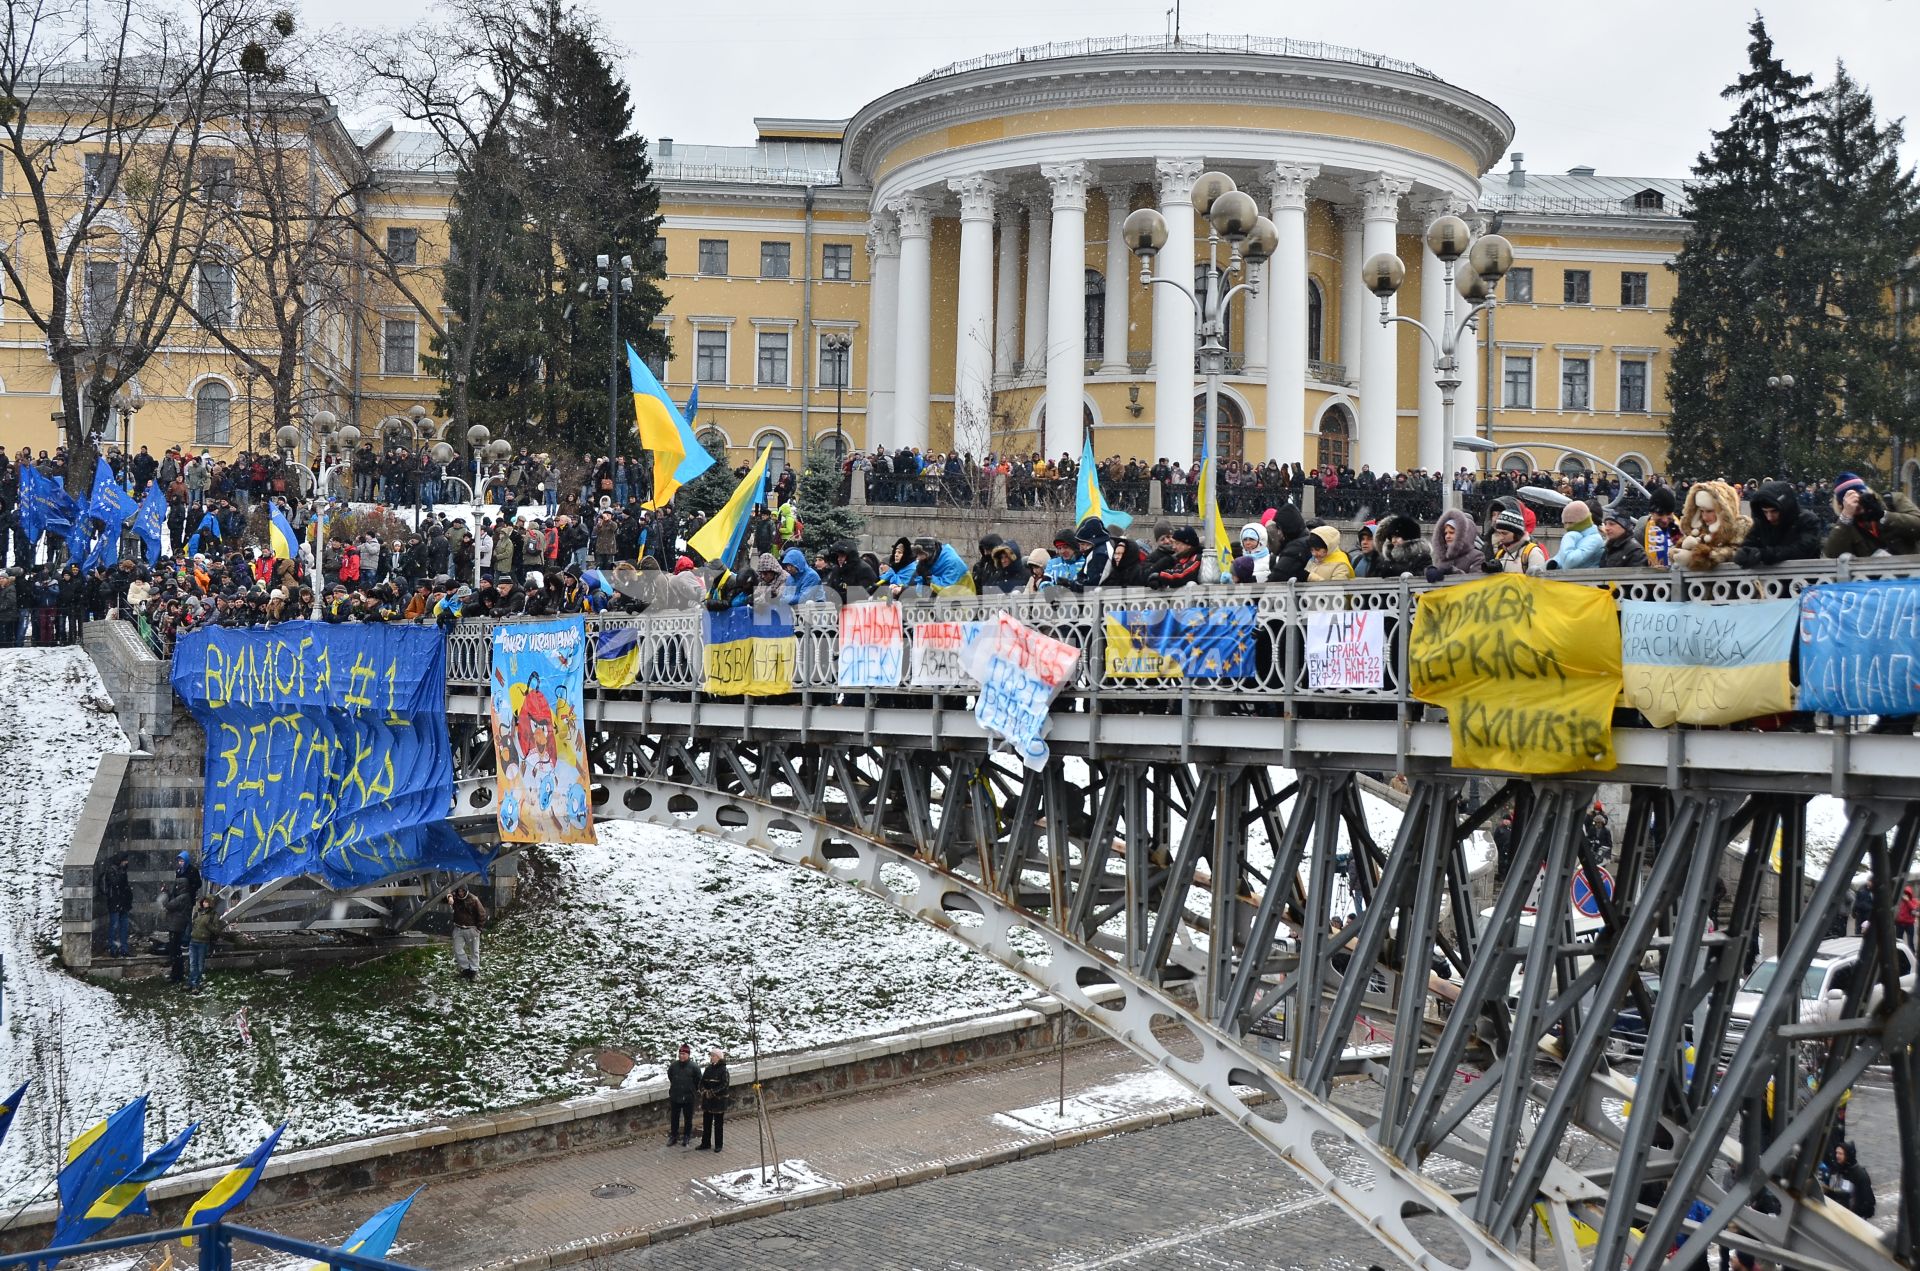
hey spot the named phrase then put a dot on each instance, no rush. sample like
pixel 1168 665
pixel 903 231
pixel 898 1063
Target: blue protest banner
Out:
pixel 327 751
pixel 1860 648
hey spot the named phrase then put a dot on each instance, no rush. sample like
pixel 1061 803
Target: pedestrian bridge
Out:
pixel 1205 849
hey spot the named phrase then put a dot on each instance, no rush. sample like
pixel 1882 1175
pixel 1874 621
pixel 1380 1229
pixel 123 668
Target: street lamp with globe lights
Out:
pixel 333 441
pixel 484 449
pixel 1488 258
pixel 1232 218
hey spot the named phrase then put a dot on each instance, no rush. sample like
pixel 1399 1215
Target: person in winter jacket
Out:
pixel 1711 529
pixel 1403 549
pixel 1619 548
pixel 1847 1181
pixel 1659 531
pixel 1582 546
pixel 1093 536
pixel 683 1083
pixel 899 568
pixel 1365 557
pixel 469 916
pixel 205 928
pixel 1002 572
pixel 1514 550
pixel 1289 559
pixel 1129 567
pixel 716 1092
pixel 1330 564
pixel 1870 525
pixel 116 896
pixel 177 901
pixel 1253 542
pixel 848 573
pixel 803 583
pixel 1782 530
pixel 1456 546
pixel 1184 566
pixel 1064 567
pixel 936 565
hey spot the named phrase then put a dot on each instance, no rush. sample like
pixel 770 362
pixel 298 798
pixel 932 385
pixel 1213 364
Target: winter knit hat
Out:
pixel 1618 517
pixel 764 563
pixel 1575 514
pixel 1039 558
pixel 1510 519
pixel 1663 500
pixel 1844 482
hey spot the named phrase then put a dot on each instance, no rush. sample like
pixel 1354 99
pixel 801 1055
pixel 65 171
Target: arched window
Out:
pixel 714 440
pixel 1231 427
pixel 212 414
pixel 1336 437
pixel 1096 316
pixel 1633 468
pixel 1572 465
pixel 776 454
pixel 1316 310
pixel 1517 461
pixel 835 444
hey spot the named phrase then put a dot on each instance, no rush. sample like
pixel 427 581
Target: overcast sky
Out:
pixel 1629 86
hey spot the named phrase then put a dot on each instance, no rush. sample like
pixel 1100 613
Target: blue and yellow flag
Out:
pixel 101 1156
pixel 372 1238
pixel 1695 663
pixel 45 505
pixel 1213 526
pixel 1089 502
pixel 150 522
pixel 616 657
pixel 129 1194
pixel 678 456
pixel 11 1106
pixel 749 652
pixel 227 1195
pixel 280 535
pixel 719 539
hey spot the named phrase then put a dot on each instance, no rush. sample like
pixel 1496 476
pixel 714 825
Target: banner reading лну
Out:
pixel 539 738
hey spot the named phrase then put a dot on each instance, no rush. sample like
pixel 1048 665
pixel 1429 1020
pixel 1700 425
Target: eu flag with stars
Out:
pixel 110 501
pixel 45 505
pixel 150 522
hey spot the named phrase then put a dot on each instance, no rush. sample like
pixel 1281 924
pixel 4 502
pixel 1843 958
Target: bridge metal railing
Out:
pixel 671 660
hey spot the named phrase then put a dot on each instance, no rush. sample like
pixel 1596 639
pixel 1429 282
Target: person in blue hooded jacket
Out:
pixel 803 582
pixel 1583 544
pixel 936 565
pixel 1098 546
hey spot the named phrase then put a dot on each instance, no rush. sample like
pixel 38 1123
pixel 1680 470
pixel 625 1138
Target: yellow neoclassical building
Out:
pixel 942 267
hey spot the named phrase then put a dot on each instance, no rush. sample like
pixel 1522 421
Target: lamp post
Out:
pixel 613 281
pixel 128 401
pixel 1782 387
pixel 482 446
pixel 837 343
pixel 1233 218
pixel 340 439
pixel 1488 260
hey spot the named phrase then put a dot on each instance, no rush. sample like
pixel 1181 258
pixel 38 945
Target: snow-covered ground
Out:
pixel 641 941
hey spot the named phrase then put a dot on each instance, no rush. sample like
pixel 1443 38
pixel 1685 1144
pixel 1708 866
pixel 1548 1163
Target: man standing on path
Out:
pixel 683 1082
pixel 116 892
pixel 715 1089
pixel 469 915
pixel 178 903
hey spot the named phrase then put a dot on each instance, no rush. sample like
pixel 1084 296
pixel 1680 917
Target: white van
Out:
pixel 1824 987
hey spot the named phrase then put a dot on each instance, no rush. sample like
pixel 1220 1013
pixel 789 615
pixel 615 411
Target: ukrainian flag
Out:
pixel 285 543
pixel 372 1238
pixel 1213 529
pixel 11 1106
pixel 678 456
pixel 616 657
pixel 1089 501
pixel 227 1195
pixel 719 539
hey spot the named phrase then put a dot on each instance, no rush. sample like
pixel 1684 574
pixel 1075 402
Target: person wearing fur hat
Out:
pixel 1403 549
pixel 1330 564
pixel 1711 529
pixel 1289 547
pixel 1619 548
pixel 1782 530
pixel 1514 550
pixel 1456 546
pixel 1870 525
pixel 1659 530
pixel 1582 546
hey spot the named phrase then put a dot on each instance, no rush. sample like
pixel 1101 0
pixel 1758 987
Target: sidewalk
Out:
pixel 547 1213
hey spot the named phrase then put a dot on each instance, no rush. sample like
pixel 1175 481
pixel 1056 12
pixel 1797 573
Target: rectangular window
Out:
pixel 713 257
pixel 1577 288
pixel 403 246
pixel 836 364
pixel 1576 383
pixel 710 356
pixel 216 294
pixel 103 293
pixel 1520 286
pixel 1519 383
pixel 660 252
pixel 1633 289
pixel 1633 387
pixel 398 350
pixel 216 180
pixel 103 170
pixel 773 359
pixel 836 262
pixel 776 260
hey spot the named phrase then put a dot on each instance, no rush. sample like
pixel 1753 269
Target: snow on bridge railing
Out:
pixel 670 657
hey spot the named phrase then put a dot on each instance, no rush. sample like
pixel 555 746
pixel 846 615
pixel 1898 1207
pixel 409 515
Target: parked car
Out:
pixel 1823 989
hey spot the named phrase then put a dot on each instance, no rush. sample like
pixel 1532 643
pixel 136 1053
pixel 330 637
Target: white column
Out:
pixel 1433 447
pixel 883 316
pixel 1285 294
pixel 1115 333
pixel 1033 322
pixel 973 317
pixel 1173 314
pixel 1006 300
pixel 1252 329
pixel 1379 371
pixel 1356 306
pixel 912 330
pixel 1067 306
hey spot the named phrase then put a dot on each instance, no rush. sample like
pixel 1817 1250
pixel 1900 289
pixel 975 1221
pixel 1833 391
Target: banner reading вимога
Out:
pixel 539 739
pixel 327 752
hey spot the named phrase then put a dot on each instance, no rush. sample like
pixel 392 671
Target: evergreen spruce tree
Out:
pixel 709 491
pixel 1744 302
pixel 823 502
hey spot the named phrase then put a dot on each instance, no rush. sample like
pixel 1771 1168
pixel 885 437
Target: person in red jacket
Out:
pixel 1185 565
pixel 1905 914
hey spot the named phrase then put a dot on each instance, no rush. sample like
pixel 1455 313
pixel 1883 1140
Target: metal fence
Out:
pixel 215 1249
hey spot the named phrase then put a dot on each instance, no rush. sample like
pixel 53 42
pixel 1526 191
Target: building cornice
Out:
pixel 1639 228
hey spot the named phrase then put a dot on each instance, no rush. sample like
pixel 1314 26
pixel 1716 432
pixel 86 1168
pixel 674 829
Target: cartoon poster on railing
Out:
pixel 750 652
pixel 1346 648
pixel 539 737
pixel 1527 670
pixel 1707 664
pixel 1020 671
pixel 1860 648
pixel 1194 642
pixel 934 657
pixel 872 645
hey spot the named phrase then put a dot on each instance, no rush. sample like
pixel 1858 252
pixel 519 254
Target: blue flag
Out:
pixel 150 522
pixel 11 1106
pixel 208 525
pixel 110 502
pixel 374 1237
pixel 126 1195
pixel 45 505
pixel 101 1157
pixel 105 552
